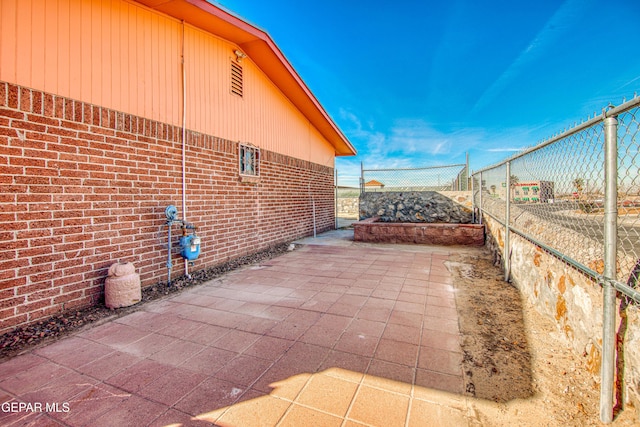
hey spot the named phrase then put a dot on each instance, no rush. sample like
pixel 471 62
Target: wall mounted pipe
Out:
pixel 184 142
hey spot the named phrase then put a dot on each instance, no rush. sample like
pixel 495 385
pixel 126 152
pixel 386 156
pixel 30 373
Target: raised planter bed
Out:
pixel 446 234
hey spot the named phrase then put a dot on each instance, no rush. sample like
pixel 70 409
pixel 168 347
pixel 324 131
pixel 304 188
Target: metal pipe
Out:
pixel 507 220
pixel 169 263
pixel 480 201
pixel 466 173
pixel 335 197
pixel 610 255
pixel 313 208
pixel 184 143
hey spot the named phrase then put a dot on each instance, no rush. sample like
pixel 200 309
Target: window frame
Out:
pixel 248 161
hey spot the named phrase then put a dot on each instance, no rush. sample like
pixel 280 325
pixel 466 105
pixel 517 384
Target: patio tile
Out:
pixel 61 389
pixel 439 381
pixel 84 351
pixel 345 365
pixel 172 386
pixel 34 379
pixel 92 403
pixel 403 333
pixel 243 370
pixel 210 395
pixel 236 341
pixel 443 361
pixel 201 333
pixel 173 417
pixel 441 340
pixel 261 411
pixel 377 407
pixel 147 320
pixel 366 327
pixel 440 324
pixel 363 345
pixel 321 336
pixel 442 312
pixel 406 318
pixel 177 353
pixel 208 361
pixel 390 376
pixel 138 376
pixel 148 345
pixel 299 416
pixel 328 394
pixel 402 353
pixel 115 335
pixel 409 307
pixel 109 365
pixel 20 364
pixel 269 348
pixel 132 411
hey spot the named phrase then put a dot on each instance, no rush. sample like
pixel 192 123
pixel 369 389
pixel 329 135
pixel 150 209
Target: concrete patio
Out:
pixel 331 334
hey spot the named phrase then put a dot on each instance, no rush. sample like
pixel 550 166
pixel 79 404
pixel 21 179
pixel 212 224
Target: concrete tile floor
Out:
pixel 344 335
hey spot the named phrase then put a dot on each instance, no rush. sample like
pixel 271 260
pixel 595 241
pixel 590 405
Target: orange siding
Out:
pixel 123 56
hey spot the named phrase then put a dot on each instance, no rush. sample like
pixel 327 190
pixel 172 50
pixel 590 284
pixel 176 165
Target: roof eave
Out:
pixel 261 49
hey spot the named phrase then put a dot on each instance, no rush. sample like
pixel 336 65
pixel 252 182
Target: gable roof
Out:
pixel 259 46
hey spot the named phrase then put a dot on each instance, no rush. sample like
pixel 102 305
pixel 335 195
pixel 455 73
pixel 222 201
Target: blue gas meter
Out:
pixel 190 247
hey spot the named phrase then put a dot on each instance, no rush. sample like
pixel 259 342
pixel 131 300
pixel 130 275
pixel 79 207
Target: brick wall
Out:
pixel 82 187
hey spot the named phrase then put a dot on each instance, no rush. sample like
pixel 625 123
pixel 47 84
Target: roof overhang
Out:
pixel 261 49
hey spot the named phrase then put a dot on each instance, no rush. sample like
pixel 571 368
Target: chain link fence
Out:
pixel 434 178
pixel 577 196
pixel 556 194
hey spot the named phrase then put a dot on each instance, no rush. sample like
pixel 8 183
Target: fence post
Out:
pixel 480 200
pixel 466 174
pixel 507 227
pixel 607 371
pixel 361 178
pixel 473 203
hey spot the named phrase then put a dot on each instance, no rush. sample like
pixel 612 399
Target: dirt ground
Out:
pixel 516 363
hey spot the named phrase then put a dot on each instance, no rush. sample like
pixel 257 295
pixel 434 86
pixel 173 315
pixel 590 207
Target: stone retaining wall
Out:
pixel 570 298
pixel 371 230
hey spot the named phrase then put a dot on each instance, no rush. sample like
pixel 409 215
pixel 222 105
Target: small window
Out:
pixel 249 160
pixel 236 79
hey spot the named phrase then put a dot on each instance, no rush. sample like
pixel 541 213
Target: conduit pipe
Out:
pixel 184 142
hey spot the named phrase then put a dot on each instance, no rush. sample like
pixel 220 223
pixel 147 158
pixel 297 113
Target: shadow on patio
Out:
pixel 324 335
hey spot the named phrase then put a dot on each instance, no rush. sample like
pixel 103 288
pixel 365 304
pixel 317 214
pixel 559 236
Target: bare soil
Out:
pixel 517 365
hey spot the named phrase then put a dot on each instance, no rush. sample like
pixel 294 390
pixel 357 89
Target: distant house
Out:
pixel 112 111
pixel 373 185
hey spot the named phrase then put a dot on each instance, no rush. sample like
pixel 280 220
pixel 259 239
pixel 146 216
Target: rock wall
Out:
pixel 571 299
pixel 347 207
pixel 426 206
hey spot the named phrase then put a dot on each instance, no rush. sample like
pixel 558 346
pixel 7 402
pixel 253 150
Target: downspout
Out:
pixel 184 142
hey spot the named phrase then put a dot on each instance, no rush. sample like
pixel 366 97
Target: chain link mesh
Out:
pixel 437 178
pixel 557 195
pixel 629 196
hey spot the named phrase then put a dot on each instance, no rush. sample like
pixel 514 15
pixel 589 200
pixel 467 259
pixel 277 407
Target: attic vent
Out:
pixel 236 79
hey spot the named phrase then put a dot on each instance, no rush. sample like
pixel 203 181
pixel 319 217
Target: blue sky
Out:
pixel 419 83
